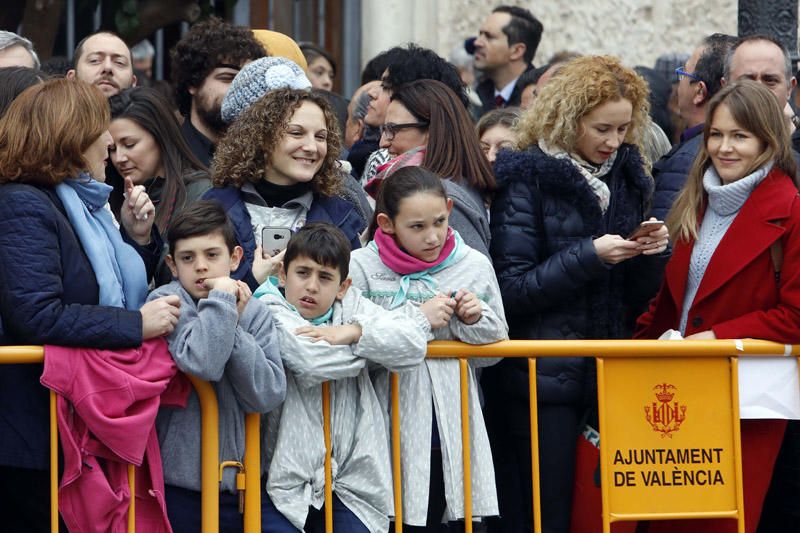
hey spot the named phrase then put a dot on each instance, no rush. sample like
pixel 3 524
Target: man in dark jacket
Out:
pixel 699 80
pixel 504 49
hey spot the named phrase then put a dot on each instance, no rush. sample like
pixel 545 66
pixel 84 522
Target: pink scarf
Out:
pixel 402 262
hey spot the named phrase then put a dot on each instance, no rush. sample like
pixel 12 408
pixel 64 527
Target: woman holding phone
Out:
pixel 566 270
pixel 276 170
pixel 735 270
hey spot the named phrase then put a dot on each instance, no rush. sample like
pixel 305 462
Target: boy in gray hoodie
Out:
pixel 222 336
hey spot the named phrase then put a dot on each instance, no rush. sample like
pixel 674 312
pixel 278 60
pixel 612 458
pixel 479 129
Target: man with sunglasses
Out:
pixel 698 80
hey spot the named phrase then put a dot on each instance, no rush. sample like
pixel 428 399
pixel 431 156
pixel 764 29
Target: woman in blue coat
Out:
pixel 68 275
pixel 566 270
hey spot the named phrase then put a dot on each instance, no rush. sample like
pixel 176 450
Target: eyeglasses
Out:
pixel 390 129
pixel 683 74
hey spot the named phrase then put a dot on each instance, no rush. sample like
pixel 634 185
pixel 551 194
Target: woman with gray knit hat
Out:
pixel 277 169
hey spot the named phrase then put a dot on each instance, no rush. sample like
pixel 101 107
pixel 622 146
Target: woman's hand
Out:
pixel 137 213
pixel 707 335
pixel 160 316
pixel 264 267
pixel 613 249
pixel 438 310
pixel 654 242
pixel 468 307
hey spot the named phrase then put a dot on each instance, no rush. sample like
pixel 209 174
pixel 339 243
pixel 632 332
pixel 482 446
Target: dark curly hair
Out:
pixel 208 44
pixel 246 150
pixel 417 63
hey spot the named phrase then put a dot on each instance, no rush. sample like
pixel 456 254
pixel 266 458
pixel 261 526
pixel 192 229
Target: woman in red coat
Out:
pixel 735 267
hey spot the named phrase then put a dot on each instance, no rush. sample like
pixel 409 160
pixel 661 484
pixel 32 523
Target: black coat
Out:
pixel 554 286
pixel 48 295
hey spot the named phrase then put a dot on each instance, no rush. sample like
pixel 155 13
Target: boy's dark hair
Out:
pixel 206 46
pixel 322 243
pixel 522 28
pixel 201 218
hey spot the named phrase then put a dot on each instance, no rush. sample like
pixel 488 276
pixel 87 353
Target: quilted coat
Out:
pixel 554 286
pixel 48 295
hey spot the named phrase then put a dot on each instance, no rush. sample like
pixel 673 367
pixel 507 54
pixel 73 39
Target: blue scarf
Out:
pixel 424 276
pixel 271 287
pixel 120 271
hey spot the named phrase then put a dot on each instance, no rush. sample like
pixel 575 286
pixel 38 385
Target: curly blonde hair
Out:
pixel 581 85
pixel 246 150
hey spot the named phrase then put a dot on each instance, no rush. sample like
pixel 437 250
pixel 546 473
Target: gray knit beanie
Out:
pixel 257 79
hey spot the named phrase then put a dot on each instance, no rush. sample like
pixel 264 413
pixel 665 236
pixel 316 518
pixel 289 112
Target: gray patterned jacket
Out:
pixel 439 380
pixel 294 436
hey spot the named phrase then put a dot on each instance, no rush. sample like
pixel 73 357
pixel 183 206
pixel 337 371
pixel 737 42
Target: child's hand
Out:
pixel 468 307
pixel 438 310
pixel 223 283
pixel 335 335
pixel 264 267
pixel 242 296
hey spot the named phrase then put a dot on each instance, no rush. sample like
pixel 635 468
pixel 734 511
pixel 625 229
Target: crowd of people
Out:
pixel 258 231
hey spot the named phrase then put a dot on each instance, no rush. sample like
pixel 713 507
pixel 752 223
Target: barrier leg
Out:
pixel 326 428
pixel 396 464
pixel 53 464
pixel 252 471
pixel 209 455
pixel 465 444
pixel 537 509
pixel 132 506
pixel 737 432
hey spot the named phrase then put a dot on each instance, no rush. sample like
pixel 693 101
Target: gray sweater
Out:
pixel 724 203
pixel 241 359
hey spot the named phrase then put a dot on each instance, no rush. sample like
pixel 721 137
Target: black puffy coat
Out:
pixel 554 286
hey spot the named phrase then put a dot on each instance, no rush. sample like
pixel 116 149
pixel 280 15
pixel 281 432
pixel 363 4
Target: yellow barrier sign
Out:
pixel 669 437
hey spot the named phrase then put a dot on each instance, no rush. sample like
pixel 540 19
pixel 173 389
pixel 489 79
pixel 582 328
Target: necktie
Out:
pixel 499 101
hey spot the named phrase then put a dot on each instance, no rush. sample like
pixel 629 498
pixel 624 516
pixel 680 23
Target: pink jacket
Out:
pixel 107 406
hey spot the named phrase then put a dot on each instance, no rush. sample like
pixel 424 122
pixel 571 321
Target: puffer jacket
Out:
pixel 670 173
pixel 554 285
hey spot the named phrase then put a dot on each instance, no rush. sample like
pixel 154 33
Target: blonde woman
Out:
pixel 567 203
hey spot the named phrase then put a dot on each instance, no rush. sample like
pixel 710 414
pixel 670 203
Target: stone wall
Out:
pixel 636 30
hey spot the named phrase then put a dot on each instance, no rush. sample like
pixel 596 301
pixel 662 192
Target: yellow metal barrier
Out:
pixel 439 349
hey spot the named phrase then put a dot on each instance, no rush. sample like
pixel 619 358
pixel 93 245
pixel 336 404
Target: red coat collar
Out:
pixel 754 229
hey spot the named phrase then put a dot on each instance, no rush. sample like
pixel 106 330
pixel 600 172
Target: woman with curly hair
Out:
pixel 277 170
pixel 566 268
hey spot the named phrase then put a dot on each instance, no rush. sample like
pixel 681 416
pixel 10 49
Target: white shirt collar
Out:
pixel 506 91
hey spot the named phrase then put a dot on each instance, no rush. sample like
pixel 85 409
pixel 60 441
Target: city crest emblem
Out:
pixel 664 415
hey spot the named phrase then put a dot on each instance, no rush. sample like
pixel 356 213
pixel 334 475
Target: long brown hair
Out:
pixel 150 111
pixel 46 130
pixel 755 109
pixel 453 149
pixel 246 150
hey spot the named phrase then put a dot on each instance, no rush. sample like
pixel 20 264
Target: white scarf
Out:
pixel 589 171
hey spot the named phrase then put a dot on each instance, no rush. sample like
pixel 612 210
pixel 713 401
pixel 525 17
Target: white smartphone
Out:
pixel 274 240
pixel 645 228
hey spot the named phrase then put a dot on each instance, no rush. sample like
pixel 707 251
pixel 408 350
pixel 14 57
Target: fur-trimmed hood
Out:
pixel 559 176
